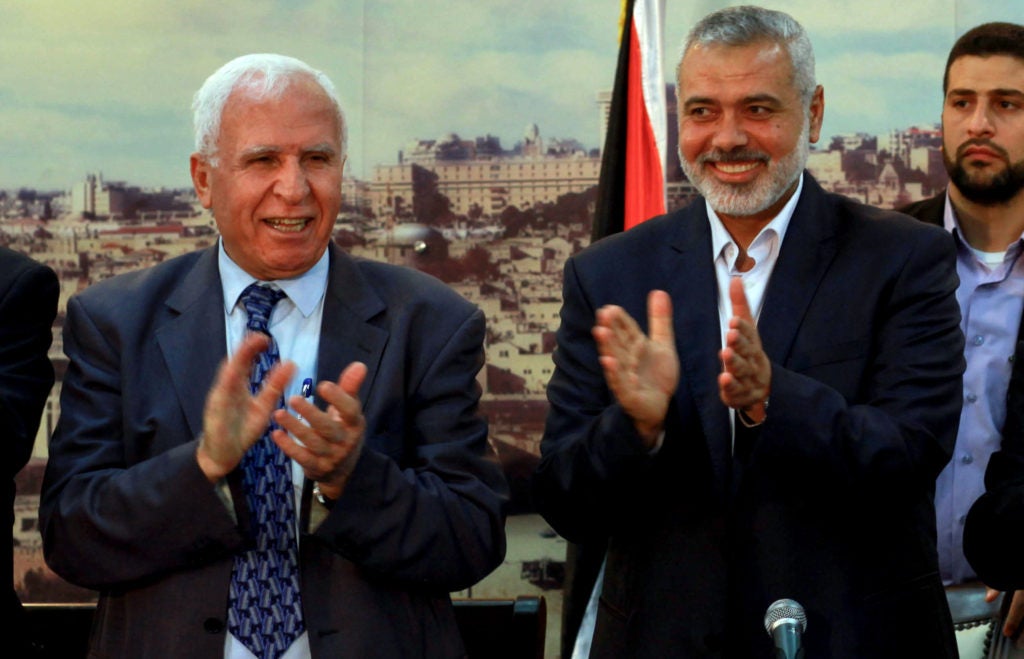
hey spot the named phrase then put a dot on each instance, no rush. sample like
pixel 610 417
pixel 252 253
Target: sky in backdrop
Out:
pixel 105 86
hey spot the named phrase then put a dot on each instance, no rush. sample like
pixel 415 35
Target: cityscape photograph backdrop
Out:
pixel 474 153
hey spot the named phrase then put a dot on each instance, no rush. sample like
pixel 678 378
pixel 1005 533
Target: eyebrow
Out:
pixel 768 99
pixel 266 149
pixel 762 98
pixel 699 100
pixel 323 147
pixel 1017 93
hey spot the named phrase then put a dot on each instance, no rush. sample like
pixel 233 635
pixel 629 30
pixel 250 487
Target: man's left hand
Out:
pixel 745 380
pixel 331 439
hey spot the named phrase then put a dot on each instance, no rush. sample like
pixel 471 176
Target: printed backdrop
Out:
pixel 95 100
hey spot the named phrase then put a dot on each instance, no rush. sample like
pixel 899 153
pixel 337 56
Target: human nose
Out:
pixel 730 133
pixel 980 122
pixel 292 184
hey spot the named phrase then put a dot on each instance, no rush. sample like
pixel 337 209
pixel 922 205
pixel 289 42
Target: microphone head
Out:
pixel 784 609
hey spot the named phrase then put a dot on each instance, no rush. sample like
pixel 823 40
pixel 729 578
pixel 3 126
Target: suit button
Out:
pixel 213 625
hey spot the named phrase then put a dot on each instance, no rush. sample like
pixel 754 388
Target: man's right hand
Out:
pixel 642 371
pixel 1013 625
pixel 234 419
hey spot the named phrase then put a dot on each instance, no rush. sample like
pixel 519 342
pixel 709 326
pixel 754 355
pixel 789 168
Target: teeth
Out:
pixel 291 225
pixel 736 168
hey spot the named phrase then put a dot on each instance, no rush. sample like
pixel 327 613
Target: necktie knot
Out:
pixel 259 301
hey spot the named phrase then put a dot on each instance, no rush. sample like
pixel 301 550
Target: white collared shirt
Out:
pixel 295 326
pixel 763 250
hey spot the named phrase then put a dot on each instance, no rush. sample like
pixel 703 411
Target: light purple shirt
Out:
pixel 991 297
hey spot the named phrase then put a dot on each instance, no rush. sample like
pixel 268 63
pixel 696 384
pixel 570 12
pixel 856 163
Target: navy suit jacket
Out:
pixel 832 504
pixel 126 510
pixel 28 304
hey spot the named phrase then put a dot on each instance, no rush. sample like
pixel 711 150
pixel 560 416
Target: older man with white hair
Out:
pixel 271 507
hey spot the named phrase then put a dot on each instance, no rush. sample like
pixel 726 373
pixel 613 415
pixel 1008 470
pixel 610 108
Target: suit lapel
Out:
pixel 690 272
pixel 193 341
pixel 807 250
pixel 346 334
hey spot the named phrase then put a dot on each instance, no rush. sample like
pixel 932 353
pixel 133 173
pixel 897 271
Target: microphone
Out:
pixel 785 621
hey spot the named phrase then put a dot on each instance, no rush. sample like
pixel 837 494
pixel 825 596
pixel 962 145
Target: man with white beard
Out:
pixel 753 395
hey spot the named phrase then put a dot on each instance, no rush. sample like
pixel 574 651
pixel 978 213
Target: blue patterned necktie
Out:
pixel 265 612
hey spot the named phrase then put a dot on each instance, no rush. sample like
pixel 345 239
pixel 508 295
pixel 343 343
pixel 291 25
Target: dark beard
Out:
pixel 998 190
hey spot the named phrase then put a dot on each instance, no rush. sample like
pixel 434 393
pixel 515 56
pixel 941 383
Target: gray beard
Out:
pixel 753 197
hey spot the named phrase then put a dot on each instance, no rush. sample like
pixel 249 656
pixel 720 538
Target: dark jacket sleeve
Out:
pixel 28 304
pixel 121 503
pixel 994 531
pixel 425 502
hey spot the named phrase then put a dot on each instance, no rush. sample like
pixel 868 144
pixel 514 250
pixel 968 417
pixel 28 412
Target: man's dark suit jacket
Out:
pixel 126 510
pixel 831 504
pixel 994 532
pixel 28 304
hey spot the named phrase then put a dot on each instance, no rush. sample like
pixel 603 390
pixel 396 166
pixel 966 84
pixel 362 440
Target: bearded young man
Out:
pixel 983 210
pixel 768 392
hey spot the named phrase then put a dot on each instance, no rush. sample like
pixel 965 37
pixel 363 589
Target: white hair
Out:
pixel 263 76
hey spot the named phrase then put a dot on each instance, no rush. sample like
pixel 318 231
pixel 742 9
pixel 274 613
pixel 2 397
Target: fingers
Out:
pixel 233 418
pixel 234 371
pixel 616 330
pixel 659 317
pixel 1015 616
pixel 746 370
pixel 741 357
pixel 274 384
pixel 738 297
pixel 352 378
pixel 618 340
pixel 641 370
pixel 327 439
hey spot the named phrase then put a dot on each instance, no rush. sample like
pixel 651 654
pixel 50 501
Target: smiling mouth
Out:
pixel 736 167
pixel 288 225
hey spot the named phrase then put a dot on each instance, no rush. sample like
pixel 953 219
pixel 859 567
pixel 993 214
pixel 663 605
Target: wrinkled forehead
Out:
pixel 722 70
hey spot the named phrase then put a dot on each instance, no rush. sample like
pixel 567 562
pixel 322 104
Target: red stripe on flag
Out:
pixel 644 194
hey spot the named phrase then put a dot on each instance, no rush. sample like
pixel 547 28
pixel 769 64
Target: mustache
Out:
pixel 736 155
pixel 988 144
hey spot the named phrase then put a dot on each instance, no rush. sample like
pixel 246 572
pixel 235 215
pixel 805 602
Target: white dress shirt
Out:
pixel 295 326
